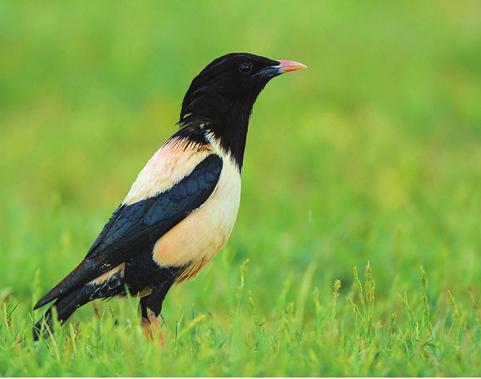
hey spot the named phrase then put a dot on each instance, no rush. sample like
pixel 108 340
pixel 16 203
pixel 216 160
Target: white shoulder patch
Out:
pixel 176 159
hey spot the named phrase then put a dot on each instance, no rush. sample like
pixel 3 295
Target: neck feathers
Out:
pixel 228 122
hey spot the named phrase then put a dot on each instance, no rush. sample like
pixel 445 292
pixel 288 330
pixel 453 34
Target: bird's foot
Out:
pixel 151 327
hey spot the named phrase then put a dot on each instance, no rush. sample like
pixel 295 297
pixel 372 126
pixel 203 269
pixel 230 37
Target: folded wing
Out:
pixel 133 227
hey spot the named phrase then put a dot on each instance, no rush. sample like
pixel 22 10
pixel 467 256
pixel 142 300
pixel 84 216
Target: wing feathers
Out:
pixel 135 227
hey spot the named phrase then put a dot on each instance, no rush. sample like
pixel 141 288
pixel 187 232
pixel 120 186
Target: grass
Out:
pixel 357 246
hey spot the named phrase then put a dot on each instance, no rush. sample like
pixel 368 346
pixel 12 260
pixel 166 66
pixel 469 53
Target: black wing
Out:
pixel 133 228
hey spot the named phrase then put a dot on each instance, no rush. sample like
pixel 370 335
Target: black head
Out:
pixel 223 94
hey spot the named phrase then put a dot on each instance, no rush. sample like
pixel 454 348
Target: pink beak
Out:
pixel 288 66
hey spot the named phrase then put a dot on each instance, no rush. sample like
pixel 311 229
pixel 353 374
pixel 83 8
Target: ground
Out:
pixel 357 247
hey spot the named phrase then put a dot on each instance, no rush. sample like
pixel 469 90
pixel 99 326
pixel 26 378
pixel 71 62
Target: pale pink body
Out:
pixel 197 238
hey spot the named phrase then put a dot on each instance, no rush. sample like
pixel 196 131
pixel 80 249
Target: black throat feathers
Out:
pixel 228 122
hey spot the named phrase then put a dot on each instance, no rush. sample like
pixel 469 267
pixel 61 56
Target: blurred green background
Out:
pixel 371 155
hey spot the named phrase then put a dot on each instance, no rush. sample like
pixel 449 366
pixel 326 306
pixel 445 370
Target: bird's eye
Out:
pixel 245 67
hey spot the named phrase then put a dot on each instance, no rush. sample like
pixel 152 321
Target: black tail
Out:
pixel 71 301
pixel 65 306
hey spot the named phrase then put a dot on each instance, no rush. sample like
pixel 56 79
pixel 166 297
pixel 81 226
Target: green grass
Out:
pixel 361 198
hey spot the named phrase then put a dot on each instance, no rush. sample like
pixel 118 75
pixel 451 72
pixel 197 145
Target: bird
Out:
pixel 183 205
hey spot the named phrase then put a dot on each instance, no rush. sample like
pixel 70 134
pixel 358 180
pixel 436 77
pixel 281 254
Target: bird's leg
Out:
pixel 151 327
pixel 151 306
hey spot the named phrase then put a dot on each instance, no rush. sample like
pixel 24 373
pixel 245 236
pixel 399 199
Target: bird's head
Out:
pixel 229 86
